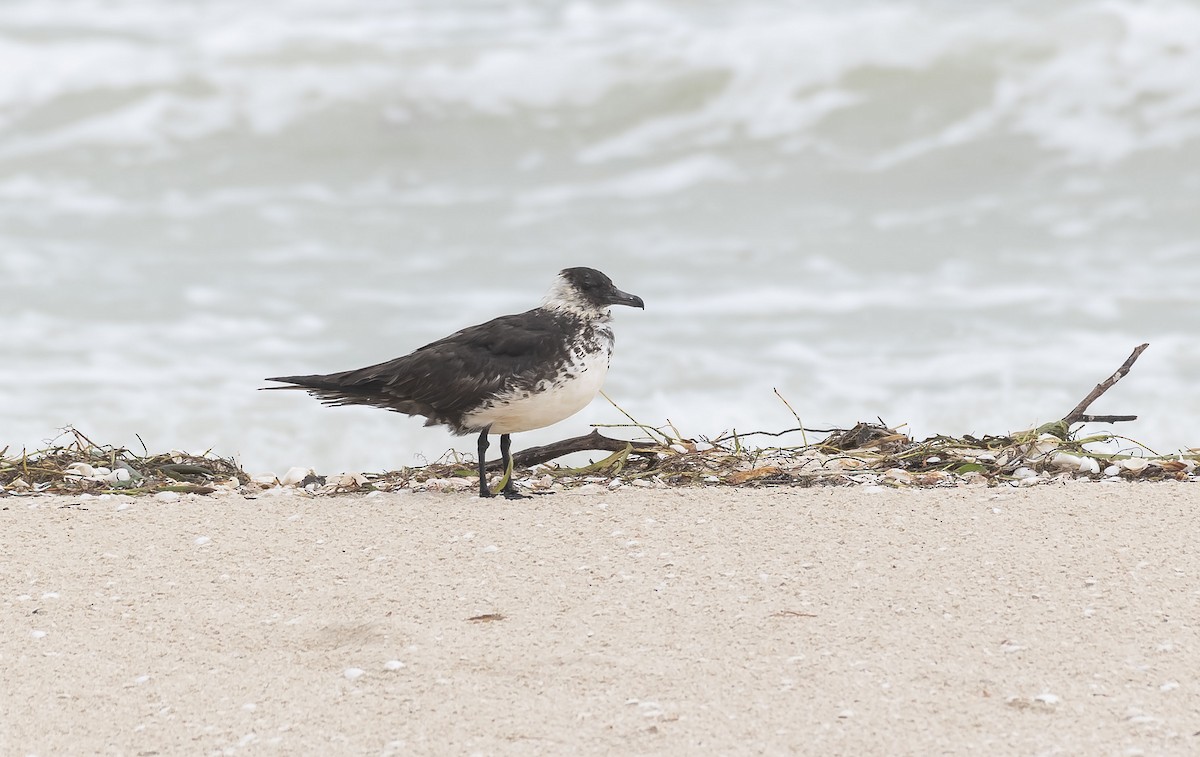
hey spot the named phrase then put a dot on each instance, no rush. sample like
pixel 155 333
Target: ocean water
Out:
pixel 954 216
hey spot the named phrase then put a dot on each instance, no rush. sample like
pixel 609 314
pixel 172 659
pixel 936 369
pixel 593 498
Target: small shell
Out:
pixel 1065 461
pixel 346 480
pixel 294 476
pixel 932 478
pixel 1134 464
pixel 1112 470
pixel 1046 443
pixel 1075 463
pixel 845 463
pixel 81 469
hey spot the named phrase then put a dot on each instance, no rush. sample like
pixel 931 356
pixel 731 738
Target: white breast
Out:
pixel 552 401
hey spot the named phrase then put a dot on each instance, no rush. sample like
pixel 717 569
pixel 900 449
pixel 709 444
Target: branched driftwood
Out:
pixel 594 441
pixel 1078 414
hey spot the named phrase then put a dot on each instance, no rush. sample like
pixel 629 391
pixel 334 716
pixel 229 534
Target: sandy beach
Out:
pixel 1048 620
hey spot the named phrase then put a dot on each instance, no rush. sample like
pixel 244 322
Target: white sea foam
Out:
pixel 1092 81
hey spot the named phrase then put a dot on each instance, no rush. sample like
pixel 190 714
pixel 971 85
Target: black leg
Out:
pixel 510 489
pixel 483 447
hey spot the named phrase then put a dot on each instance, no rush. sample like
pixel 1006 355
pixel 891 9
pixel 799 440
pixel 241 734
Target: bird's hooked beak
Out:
pixel 617 297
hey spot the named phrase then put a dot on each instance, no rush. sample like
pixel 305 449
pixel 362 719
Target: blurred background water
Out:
pixel 956 216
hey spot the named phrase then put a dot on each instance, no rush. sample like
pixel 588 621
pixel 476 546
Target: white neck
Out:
pixel 565 297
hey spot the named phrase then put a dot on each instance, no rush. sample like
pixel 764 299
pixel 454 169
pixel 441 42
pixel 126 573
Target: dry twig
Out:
pixel 1077 414
pixel 594 441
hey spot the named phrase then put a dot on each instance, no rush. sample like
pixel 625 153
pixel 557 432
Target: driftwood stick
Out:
pixel 593 441
pixel 1077 415
pixel 1104 418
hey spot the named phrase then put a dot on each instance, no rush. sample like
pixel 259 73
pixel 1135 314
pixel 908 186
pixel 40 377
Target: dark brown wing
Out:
pixel 452 376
